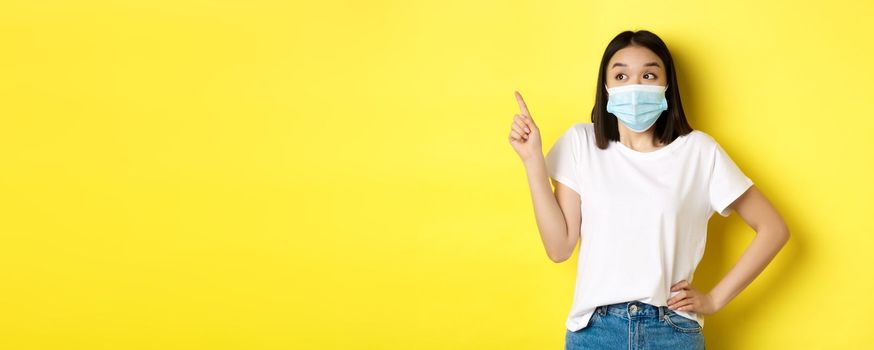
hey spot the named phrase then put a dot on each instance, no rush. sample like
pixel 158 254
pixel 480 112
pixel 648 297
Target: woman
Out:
pixel 637 187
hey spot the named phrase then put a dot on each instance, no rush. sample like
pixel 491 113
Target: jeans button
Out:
pixel 633 308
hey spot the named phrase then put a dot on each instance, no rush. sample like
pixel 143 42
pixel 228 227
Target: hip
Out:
pixel 636 325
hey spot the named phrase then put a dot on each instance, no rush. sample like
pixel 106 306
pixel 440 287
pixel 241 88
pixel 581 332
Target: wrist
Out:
pixel 717 299
pixel 534 162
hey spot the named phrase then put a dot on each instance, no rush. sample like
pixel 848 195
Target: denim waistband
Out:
pixel 633 309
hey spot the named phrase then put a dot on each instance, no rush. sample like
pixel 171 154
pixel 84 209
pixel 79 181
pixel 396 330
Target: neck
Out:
pixel 643 142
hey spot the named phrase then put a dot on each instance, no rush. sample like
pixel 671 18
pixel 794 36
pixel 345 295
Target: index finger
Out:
pixel 522 105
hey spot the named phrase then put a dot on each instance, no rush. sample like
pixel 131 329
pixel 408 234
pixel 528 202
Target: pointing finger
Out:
pixel 522 106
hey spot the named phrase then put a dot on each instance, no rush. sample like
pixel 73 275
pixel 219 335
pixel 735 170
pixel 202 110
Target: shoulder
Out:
pixel 582 133
pixel 582 130
pixel 707 147
pixel 585 127
pixel 577 133
pixel 702 140
pixel 575 138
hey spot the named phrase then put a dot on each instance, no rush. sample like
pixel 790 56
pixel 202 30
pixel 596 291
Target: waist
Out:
pixel 633 309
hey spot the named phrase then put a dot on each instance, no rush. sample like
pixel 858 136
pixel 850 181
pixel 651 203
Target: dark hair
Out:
pixel 671 124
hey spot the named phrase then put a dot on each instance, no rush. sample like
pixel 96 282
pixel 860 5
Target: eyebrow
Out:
pixel 648 64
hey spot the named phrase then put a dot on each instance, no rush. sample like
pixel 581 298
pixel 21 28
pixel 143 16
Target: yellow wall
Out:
pixel 328 174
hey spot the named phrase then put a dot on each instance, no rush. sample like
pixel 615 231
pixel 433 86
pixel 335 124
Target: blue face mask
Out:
pixel 638 106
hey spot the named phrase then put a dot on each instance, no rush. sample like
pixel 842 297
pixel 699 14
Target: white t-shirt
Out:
pixel 644 214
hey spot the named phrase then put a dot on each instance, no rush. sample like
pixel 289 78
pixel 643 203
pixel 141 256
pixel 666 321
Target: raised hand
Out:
pixel 524 134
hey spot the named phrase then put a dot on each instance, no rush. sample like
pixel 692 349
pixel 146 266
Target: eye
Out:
pixel 618 75
pixel 653 75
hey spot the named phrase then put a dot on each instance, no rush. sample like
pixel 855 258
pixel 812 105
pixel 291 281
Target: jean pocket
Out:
pixel 681 323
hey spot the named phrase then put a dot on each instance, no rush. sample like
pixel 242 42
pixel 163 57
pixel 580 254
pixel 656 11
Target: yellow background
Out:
pixel 336 174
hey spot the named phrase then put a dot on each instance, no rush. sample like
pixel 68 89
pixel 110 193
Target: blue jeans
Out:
pixel 636 325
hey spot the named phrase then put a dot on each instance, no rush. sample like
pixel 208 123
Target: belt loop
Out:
pixel 662 312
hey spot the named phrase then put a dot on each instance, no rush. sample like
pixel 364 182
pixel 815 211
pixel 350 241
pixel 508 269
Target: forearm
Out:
pixel 759 253
pixel 550 220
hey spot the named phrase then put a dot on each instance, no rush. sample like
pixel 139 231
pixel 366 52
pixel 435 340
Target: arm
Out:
pixel 557 214
pixel 771 235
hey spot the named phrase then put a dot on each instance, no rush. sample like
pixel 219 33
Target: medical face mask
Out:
pixel 638 106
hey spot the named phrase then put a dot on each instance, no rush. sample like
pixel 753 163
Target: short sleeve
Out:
pixel 563 159
pixel 727 182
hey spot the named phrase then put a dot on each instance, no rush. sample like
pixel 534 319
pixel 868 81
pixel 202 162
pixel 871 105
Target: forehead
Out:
pixel 634 56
